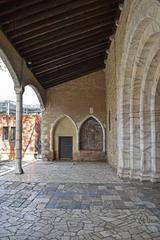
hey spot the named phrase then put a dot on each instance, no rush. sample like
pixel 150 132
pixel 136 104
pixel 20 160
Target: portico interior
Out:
pixel 95 67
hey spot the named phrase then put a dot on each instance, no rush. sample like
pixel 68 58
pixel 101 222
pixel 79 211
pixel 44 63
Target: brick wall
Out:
pixel 30 136
pixel 77 99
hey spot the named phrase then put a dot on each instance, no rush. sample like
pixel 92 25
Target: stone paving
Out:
pixel 9 165
pixel 66 172
pixel 52 201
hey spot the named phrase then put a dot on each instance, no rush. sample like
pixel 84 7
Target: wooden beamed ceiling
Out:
pixel 60 40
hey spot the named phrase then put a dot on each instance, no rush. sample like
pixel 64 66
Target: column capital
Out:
pixel 43 110
pixel 19 90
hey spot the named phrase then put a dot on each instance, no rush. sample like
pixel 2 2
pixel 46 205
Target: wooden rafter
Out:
pixel 62 39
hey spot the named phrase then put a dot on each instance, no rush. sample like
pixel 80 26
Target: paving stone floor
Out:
pixel 8 166
pixel 77 201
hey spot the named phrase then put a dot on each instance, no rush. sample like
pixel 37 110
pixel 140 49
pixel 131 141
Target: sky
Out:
pixel 7 90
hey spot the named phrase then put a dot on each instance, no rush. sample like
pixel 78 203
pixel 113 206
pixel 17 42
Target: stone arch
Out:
pixel 91 150
pixel 10 68
pixel 138 157
pixel 102 127
pixel 145 104
pixel 38 96
pixel 155 126
pixel 52 132
pixel 125 96
pixel 127 71
pixel 143 24
pixel 131 95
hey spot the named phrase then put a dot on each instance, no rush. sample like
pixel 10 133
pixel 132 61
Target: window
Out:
pixel 5 133
pixel 13 134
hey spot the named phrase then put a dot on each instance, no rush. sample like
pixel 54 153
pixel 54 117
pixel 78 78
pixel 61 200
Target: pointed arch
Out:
pixel 102 128
pixel 53 128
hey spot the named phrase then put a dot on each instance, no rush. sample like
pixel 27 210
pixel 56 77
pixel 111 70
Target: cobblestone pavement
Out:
pixel 8 166
pixel 31 208
pixel 76 172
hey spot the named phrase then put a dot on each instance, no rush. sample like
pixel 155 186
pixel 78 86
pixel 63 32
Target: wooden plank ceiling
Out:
pixel 60 39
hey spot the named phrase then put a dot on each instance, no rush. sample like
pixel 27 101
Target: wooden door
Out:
pixel 65 148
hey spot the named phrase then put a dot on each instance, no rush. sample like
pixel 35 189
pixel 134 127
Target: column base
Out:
pixel 138 175
pixel 44 157
pixel 19 171
pixel 123 173
pixel 155 177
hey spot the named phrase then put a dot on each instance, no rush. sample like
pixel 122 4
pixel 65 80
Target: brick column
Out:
pixel 18 157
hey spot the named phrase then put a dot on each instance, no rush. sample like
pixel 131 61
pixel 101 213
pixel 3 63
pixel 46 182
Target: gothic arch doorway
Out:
pixel 63 144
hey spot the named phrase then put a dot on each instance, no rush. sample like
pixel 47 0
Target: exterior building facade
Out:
pixel 31 122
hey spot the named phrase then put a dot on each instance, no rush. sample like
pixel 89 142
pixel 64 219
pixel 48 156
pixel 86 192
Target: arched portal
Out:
pixel 63 139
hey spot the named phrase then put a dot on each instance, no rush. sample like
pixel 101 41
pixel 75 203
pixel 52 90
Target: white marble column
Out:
pixel 19 110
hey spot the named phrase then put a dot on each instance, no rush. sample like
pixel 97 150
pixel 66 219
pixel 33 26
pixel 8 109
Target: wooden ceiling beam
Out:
pixel 61 19
pixel 55 22
pixel 49 13
pixel 83 52
pixel 69 62
pixel 10 6
pixel 41 58
pixel 30 10
pixel 54 53
pixel 72 73
pixel 50 55
pixel 74 67
pixel 71 38
pixel 63 39
pixel 54 28
pixel 71 77
pixel 67 32
pixel 62 66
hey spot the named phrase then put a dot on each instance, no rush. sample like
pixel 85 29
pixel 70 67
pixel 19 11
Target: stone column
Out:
pixel 44 137
pixel 19 93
